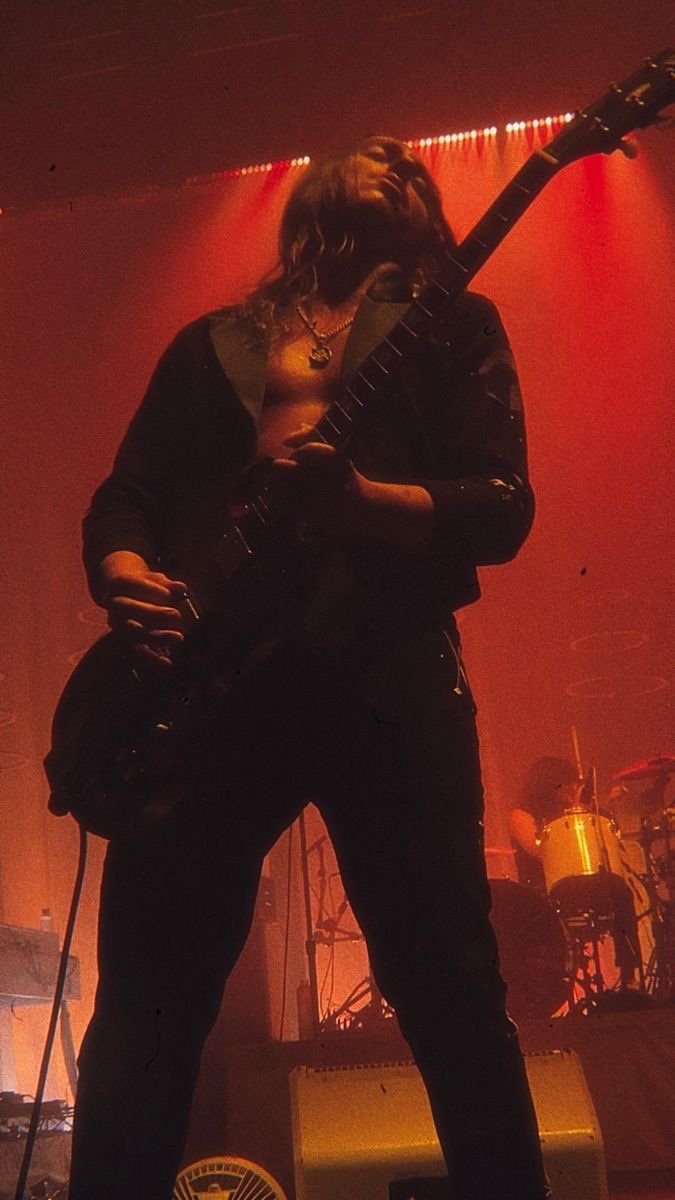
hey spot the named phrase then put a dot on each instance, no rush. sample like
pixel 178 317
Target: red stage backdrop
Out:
pixel 574 632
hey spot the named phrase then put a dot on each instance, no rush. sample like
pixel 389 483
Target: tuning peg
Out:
pixel 628 147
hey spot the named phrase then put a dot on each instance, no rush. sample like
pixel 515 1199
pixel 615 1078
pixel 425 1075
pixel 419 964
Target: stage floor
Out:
pixel 628 1061
pixel 641 1185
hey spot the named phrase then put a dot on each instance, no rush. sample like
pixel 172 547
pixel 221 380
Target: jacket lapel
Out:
pixel 372 323
pixel 243 360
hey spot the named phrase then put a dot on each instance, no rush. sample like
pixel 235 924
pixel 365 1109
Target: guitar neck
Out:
pixel 634 103
pixel 338 422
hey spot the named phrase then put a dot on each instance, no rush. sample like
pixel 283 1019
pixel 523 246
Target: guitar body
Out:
pixel 127 737
pixel 102 766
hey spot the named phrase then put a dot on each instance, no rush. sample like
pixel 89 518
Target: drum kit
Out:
pixel 601 936
pixel 609 873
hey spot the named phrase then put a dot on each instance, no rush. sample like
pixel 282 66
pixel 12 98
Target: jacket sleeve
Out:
pixel 126 510
pixel 482 498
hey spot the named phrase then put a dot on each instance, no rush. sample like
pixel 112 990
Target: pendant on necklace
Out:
pixel 320 355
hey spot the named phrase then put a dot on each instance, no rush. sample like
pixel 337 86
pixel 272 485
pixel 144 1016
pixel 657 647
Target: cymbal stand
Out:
pixel 662 912
pixel 650 971
pixel 326 931
pixel 347 1016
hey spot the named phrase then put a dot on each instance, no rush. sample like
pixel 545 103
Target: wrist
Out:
pixel 396 513
pixel 114 565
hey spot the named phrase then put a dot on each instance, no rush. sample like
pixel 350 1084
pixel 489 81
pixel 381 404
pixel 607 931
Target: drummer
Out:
pixel 551 786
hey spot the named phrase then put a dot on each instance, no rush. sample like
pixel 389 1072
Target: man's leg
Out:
pixel 176 907
pixel 408 833
pixel 175 911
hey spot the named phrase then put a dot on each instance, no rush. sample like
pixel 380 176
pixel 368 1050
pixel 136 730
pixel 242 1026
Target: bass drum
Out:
pixel 533 953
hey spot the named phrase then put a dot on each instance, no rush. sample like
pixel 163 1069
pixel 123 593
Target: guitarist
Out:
pixel 363 706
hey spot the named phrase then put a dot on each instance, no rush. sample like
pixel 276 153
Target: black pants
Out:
pixel 389 752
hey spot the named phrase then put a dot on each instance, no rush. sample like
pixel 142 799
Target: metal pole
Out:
pixel 310 943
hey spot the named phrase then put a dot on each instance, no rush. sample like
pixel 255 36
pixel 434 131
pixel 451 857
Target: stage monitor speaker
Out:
pixel 359 1131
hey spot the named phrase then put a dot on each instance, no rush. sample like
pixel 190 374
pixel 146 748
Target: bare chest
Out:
pixel 297 393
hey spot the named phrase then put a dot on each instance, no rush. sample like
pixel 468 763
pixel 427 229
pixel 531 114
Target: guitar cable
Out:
pixel 53 1020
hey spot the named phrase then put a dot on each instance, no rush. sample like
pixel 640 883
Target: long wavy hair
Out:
pixel 543 781
pixel 318 228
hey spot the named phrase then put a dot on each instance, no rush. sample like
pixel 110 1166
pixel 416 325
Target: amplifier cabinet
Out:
pixel 358 1130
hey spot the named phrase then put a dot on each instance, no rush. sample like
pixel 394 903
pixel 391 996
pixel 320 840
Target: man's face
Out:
pixel 570 793
pixel 384 177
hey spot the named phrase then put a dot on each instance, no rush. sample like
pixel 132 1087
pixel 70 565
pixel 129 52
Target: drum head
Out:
pixel 532 950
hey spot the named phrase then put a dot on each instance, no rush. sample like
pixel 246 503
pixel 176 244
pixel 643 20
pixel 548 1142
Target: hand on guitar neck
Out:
pixel 327 492
pixel 144 606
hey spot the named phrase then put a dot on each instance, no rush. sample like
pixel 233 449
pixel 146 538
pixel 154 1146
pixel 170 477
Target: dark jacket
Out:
pixel 452 422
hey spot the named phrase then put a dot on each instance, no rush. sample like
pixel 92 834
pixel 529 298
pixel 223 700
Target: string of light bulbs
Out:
pixel 489 132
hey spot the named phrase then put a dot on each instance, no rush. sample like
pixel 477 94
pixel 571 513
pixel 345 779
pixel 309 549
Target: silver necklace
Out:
pixel 321 353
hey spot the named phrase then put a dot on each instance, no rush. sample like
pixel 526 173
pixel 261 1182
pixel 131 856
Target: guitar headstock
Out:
pixel 635 103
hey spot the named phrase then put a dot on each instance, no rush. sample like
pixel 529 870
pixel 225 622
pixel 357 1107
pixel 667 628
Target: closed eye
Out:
pixel 376 154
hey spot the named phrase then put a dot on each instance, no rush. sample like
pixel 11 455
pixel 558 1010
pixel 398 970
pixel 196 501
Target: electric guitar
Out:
pixel 123 740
